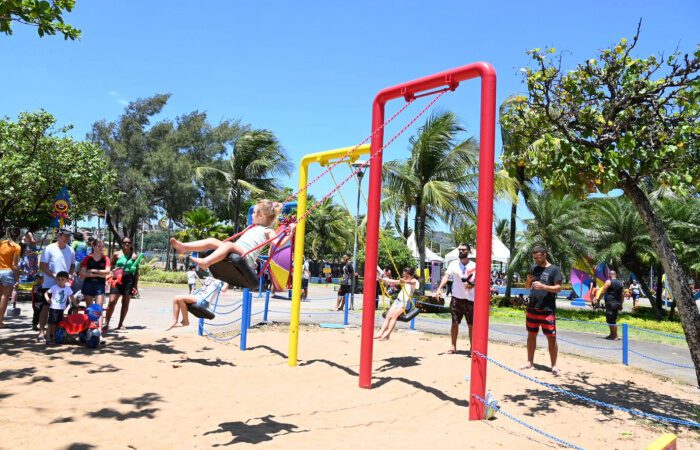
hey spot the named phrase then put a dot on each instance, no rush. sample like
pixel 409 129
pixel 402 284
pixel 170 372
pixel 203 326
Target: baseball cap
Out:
pixel 64 231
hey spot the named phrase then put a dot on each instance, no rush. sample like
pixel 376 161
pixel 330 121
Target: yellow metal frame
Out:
pixel 322 158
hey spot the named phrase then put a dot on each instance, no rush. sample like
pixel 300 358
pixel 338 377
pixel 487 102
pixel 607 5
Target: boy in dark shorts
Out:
pixel 60 297
pixel 544 282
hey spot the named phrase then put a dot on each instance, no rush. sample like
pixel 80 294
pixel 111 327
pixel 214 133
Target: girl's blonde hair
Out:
pixel 270 211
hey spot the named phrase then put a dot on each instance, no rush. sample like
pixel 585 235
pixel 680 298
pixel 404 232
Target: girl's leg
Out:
pixel 89 299
pixel 383 328
pixel 392 323
pixel 5 296
pixel 125 309
pixel 113 298
pixel 195 246
pixel 176 312
pixel 218 255
pixel 100 300
pixel 185 314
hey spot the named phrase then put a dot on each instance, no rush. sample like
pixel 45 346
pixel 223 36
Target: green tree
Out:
pixel 256 162
pixel 556 223
pixel 502 229
pixel 390 248
pixel 622 122
pixel 329 231
pixel 201 223
pixel 46 16
pixel 617 235
pixel 438 173
pixel 37 160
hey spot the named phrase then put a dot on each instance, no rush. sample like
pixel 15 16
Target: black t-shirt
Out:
pixel 541 299
pixel 348 273
pixel 613 295
pixel 90 263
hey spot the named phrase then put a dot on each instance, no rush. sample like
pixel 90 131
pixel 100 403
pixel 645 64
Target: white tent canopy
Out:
pixel 413 247
pixel 499 252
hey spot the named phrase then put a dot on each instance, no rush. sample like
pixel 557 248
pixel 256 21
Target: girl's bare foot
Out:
pixel 174 325
pixel 377 336
pixel 184 324
pixel 200 262
pixel 526 366
pixel 177 245
pixel 556 371
pixel 385 338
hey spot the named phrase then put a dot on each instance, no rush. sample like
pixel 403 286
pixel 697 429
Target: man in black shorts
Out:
pixel 462 272
pixel 612 293
pixel 345 282
pixel 544 281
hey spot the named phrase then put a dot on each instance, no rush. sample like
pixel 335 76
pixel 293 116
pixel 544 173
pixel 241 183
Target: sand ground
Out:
pixel 150 389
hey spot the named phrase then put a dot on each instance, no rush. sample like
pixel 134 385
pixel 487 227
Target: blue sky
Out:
pixel 308 70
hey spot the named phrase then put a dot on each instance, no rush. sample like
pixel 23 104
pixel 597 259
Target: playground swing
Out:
pixel 201 309
pixel 236 271
pixel 410 310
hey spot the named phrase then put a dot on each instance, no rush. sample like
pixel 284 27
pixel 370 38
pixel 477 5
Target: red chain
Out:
pixel 331 166
pixel 366 163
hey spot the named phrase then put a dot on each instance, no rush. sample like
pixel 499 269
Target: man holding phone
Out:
pixel 544 281
pixel 462 304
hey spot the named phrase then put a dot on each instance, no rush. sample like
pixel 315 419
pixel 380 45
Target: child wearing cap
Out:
pixel 58 295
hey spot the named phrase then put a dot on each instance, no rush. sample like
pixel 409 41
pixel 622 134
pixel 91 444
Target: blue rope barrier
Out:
pixel 660 333
pixel 222 324
pixel 583 398
pixel 527 425
pixel 682 366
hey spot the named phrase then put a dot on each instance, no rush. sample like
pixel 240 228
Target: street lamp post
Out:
pixel 356 165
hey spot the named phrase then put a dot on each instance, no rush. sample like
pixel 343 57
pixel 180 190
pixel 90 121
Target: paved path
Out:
pixel 154 311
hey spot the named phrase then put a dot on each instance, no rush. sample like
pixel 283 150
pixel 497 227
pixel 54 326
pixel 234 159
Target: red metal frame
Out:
pixel 449 79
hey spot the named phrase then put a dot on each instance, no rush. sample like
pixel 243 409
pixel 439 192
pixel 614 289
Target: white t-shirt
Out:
pixel 60 296
pixel 459 271
pixel 59 260
pixel 192 277
pixel 406 293
pixel 209 286
pixel 305 271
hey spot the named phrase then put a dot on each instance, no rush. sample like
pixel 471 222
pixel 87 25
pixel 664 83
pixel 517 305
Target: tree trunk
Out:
pixel 420 244
pixel 658 301
pixel 405 222
pixel 678 281
pixel 237 212
pixel 115 233
pixel 511 247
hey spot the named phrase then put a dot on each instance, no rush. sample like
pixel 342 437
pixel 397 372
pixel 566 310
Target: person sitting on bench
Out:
pixel 211 287
pixel 265 216
pixel 408 284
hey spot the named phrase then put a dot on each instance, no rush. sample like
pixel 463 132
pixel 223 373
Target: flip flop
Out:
pixel 556 371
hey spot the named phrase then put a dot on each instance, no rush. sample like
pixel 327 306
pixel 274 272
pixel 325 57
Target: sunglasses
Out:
pixel 126 242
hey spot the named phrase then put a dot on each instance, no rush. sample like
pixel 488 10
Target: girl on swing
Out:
pixel 408 285
pixel 265 216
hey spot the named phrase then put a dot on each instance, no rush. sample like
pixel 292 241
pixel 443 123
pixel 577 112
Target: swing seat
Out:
pixel 200 311
pixel 406 316
pixel 234 270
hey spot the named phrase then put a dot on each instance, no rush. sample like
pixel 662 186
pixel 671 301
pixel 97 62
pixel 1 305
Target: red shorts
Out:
pixel 536 318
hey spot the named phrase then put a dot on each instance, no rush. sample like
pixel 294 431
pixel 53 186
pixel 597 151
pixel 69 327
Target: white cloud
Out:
pixel 118 98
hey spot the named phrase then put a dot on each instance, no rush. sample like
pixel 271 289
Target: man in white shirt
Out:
pixel 56 257
pixel 463 273
pixel 305 276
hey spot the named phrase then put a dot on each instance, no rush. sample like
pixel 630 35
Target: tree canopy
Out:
pixel 46 16
pixel 37 160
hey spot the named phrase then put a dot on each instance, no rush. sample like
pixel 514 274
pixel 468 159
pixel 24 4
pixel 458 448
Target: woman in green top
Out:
pixel 125 277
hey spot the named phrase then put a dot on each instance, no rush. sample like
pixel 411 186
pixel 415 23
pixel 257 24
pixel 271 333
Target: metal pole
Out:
pixel 267 305
pixel 200 327
pixel 244 319
pixel 625 345
pixel 347 309
pixel 360 174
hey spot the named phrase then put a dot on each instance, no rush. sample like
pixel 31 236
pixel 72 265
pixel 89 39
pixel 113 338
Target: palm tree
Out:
pixel 501 228
pixel 201 223
pixel 557 225
pixel 329 230
pixel 617 235
pixel 256 162
pixel 438 175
